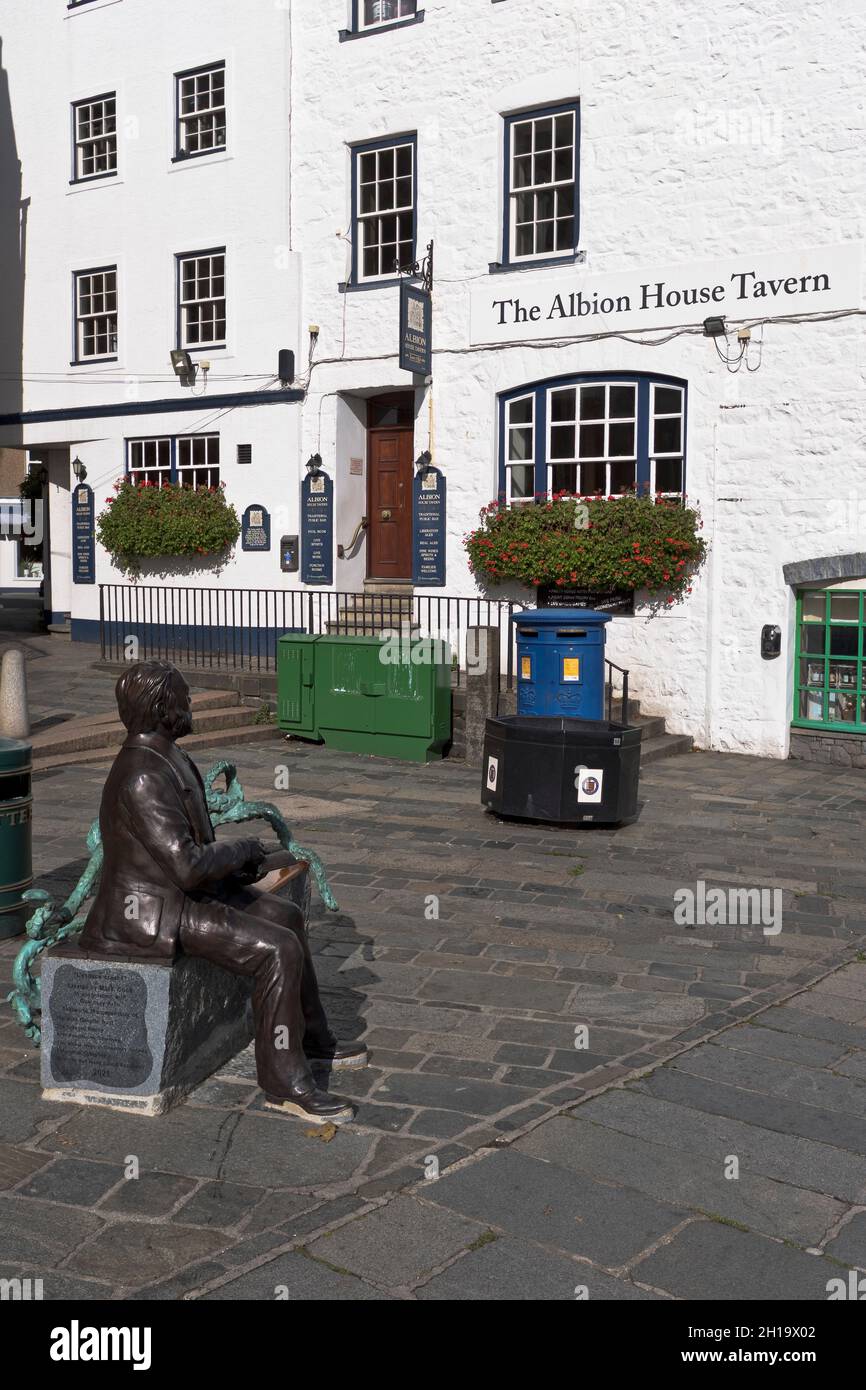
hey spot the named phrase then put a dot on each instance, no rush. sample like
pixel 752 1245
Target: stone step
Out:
pixel 633 714
pixel 403 587
pixel 200 701
pixel 665 746
pixel 212 738
pixel 650 725
pixel 395 612
pixel 364 627
pixel 211 710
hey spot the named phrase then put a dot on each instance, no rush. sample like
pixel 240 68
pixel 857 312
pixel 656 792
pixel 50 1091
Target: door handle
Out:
pixel 386 515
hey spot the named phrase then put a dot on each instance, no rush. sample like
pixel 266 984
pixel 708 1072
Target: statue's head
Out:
pixel 153 697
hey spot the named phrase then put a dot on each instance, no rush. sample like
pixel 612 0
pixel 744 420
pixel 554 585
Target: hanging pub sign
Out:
pixel 83 536
pixel 428 528
pixel 618 601
pixel 416 325
pixel 256 528
pixel 317 529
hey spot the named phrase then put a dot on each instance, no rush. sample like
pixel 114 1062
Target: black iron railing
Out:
pixel 609 690
pixel 237 629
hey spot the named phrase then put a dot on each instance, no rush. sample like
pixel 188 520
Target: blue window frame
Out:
pixel 593 434
pixel 384 209
pixel 541 206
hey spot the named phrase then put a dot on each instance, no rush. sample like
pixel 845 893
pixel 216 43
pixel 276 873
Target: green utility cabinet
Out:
pixel 296 662
pixel 340 690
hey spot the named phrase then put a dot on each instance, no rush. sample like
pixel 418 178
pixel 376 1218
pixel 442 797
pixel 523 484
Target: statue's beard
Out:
pixel 180 724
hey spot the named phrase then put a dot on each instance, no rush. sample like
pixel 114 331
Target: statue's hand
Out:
pixel 255 856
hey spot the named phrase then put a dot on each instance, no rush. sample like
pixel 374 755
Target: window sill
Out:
pixel 101 181
pixel 94 361
pixel 86 6
pixel 179 161
pixel 545 263
pixel 348 34
pixel 352 286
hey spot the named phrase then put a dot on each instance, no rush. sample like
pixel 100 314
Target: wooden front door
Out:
pixel 389 549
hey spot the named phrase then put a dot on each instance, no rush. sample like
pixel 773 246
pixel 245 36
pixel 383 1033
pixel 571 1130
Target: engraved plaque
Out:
pixel 99 1027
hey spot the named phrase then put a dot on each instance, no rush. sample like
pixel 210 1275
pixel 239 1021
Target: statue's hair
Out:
pixel 144 695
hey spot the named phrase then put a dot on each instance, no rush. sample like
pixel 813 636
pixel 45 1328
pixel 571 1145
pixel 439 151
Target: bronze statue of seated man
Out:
pixel 167 886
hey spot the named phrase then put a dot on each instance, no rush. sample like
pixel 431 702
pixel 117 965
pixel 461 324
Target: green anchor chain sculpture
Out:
pixel 50 925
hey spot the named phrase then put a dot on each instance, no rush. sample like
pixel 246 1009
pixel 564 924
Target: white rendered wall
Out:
pixel 139 221
pixel 706 132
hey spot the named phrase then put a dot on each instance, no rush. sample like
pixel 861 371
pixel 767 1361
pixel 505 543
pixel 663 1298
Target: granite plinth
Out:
pixel 137 1035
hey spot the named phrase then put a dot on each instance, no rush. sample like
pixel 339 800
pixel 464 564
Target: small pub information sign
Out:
pixel 317 529
pixel 428 528
pixel 256 528
pixel 416 325
pixel 83 536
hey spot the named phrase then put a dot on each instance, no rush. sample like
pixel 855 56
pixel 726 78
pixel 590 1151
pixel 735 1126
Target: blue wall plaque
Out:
pixel 256 528
pixel 416 330
pixel 83 536
pixel 428 528
pixel 317 529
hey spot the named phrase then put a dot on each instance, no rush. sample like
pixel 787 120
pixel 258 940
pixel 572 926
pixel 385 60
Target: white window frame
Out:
pixel 206 472
pixel 400 13
pixel 86 145
pixel 153 472
pixel 106 317
pixel 377 215
pixel 606 457
pixel 654 455
pixel 185 305
pixel 185 121
pixel 172 460
pixel 553 185
pixel 529 462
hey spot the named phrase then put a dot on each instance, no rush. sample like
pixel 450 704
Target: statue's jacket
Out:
pixel 160 852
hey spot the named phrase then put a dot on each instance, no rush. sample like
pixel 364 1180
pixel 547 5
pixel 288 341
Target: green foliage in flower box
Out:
pixel 623 543
pixel 146 520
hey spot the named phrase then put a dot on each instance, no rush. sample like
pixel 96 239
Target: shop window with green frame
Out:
pixel 831 662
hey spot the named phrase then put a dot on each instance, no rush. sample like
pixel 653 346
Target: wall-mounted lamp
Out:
pixel 183 366
pixel 79 470
pixel 314 463
pixel 423 461
pixel 714 328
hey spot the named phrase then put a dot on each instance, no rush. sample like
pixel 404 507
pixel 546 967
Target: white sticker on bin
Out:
pixel 492 773
pixel 589 781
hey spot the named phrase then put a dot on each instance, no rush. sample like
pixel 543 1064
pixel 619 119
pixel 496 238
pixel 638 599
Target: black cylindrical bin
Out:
pixel 569 771
pixel 16 856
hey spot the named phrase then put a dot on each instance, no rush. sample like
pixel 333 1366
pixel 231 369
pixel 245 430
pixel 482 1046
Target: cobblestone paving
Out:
pixel 467 951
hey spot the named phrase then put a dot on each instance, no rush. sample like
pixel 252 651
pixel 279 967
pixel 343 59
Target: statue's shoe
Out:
pixel 339 1056
pixel 315 1105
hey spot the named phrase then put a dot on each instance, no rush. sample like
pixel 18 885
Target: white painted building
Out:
pixel 558 157
pixel 152 213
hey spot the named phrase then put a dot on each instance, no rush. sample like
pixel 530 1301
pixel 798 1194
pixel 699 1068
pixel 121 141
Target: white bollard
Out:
pixel 14 713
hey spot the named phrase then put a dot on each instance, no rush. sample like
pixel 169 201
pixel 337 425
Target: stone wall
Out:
pixel 836 750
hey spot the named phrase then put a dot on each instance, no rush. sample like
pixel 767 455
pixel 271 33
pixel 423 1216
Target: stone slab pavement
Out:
pixel 585 1075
